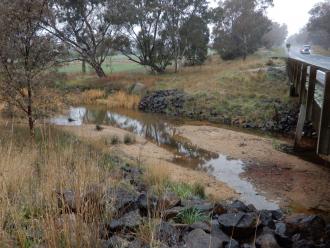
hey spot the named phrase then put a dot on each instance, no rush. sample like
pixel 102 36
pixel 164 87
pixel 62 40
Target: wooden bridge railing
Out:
pixel 312 84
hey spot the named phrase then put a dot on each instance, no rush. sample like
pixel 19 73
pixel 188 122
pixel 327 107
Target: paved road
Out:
pixel 318 60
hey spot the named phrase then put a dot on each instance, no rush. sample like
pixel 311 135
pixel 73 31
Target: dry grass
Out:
pixel 122 100
pixel 30 174
pixel 157 177
pixel 91 96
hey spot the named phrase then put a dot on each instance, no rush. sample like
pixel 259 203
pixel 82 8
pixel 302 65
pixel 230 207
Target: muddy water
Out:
pixel 162 131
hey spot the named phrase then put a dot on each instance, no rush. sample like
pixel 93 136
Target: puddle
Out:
pixel 162 131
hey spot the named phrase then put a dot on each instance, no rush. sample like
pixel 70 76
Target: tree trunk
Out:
pixel 99 70
pixel 30 113
pixel 83 66
pixel 176 64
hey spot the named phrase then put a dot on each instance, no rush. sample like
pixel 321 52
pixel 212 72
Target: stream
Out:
pixel 162 131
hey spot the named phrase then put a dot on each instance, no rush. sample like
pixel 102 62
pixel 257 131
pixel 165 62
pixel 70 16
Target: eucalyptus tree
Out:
pixel 318 25
pixel 240 26
pixel 180 13
pixel 86 26
pixel 26 55
pixel 194 40
pixel 276 36
pixel 143 38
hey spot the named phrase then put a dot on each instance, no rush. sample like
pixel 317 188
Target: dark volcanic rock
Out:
pixel 198 239
pixel 206 227
pixel 147 204
pixel 123 200
pixel 237 206
pixel 267 241
pixel 66 201
pixel 169 200
pixel 163 101
pixel 167 234
pixel 266 219
pixel 281 235
pixel 202 205
pixel 309 227
pixel 115 241
pixel 241 225
pixel 129 221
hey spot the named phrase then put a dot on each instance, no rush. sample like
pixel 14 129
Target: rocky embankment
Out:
pixel 192 222
pixel 176 103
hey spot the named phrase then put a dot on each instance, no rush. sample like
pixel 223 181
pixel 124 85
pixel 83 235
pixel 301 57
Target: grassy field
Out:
pixel 115 64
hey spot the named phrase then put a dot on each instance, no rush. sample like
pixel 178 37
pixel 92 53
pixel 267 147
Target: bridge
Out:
pixel 311 83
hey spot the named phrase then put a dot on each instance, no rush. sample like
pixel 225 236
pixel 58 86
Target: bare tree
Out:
pixel 26 54
pixel 86 26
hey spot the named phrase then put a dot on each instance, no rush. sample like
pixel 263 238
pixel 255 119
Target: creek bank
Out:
pixel 180 104
pixel 194 222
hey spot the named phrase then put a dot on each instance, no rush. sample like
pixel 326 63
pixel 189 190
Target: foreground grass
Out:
pixel 31 177
pixel 33 174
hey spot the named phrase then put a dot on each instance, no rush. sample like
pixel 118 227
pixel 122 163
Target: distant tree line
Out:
pixel 37 35
pixel 317 31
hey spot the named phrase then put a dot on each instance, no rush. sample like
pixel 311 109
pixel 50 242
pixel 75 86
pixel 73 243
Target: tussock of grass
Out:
pixel 190 216
pixel 186 191
pixel 122 100
pixel 157 177
pixel 91 96
pixel 129 139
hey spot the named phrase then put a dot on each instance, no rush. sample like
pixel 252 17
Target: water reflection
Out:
pixel 228 171
pixel 162 131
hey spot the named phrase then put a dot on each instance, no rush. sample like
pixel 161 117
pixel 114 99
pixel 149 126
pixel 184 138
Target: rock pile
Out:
pixel 232 225
pixel 163 101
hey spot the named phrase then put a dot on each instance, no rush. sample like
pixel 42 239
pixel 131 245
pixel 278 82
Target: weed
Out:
pixel 190 216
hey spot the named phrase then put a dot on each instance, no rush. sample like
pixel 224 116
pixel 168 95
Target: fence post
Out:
pixel 311 92
pixel 323 144
pixel 303 80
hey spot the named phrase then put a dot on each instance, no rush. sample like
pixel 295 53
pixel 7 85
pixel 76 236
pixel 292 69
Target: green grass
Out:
pixel 190 216
pixel 115 64
pixel 186 191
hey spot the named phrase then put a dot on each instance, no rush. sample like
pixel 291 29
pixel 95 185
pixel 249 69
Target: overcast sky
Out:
pixel 292 12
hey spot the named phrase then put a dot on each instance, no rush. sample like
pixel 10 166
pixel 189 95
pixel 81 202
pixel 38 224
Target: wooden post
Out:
pixel 323 146
pixel 293 80
pixel 303 80
pixel 311 92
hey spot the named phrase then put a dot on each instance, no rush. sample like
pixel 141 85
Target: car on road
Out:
pixel 306 49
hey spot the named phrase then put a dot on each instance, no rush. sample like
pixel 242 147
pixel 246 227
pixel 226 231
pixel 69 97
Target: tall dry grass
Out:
pixel 91 96
pixel 122 100
pixel 32 174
